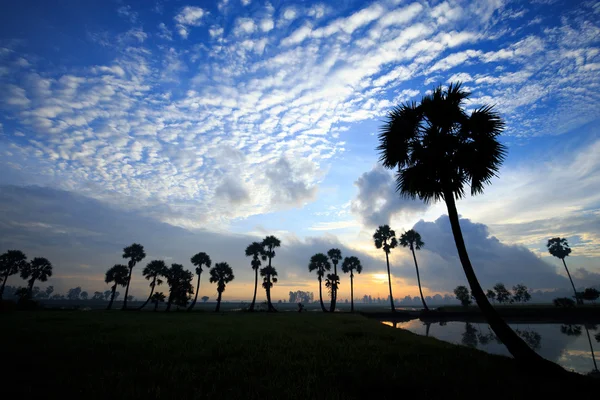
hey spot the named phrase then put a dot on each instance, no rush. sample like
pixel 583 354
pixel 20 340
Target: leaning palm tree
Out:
pixel 135 253
pixel 385 237
pixel 320 263
pixel 221 274
pixel 38 269
pixel 335 255
pixel 11 263
pixel 412 240
pixel 157 298
pixel 437 149
pixel 559 248
pixel 118 275
pixel 269 244
pixel 153 272
pixel 256 251
pixel 199 260
pixel 351 264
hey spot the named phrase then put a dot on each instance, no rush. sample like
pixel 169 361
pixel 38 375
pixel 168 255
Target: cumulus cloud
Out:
pixel 187 17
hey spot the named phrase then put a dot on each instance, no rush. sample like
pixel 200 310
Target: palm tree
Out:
pixel 153 271
pixel 437 148
pixel 412 240
pixel 351 264
pixel 269 244
pixel 320 263
pixel 199 260
pixel 180 285
pixel 135 253
pixel 559 248
pixel 117 274
pixel 158 297
pixel 38 269
pixel 385 238
pixel 221 274
pixel 11 263
pixel 256 251
pixel 331 283
pixel 335 255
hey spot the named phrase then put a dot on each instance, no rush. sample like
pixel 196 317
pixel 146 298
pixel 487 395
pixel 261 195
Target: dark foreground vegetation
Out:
pixel 99 354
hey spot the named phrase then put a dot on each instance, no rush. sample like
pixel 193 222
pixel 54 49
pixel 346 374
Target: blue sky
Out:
pixel 246 118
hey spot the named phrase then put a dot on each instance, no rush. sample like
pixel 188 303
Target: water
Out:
pixel 566 345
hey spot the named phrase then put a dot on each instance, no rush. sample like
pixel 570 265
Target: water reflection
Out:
pixel 565 344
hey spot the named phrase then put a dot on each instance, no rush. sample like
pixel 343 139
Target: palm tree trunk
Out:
pixel 591 348
pixel 387 260
pixel 196 296
pixel 515 345
pixel 351 292
pixel 427 326
pixel 151 292
pixel 127 289
pixel 577 299
pixel 419 280
pixel 30 287
pixel 269 304
pixel 3 284
pixel 333 291
pixel 112 297
pixel 255 287
pixel 321 295
pixel 218 303
pixel 169 303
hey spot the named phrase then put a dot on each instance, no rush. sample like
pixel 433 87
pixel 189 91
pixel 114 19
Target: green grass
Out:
pixel 114 355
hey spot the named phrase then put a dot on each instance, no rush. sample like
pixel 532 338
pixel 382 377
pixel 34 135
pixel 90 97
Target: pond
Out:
pixel 565 344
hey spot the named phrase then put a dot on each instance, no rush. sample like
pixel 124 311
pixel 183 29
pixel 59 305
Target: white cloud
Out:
pixel 189 16
pixel 244 26
pixel 164 32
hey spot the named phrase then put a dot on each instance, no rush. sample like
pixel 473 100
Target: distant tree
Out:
pixel 564 302
pixel 205 299
pixel 117 294
pixel 135 253
pixel 559 248
pixel 335 256
pixel 73 293
pixel 293 296
pixel 49 291
pixel 57 297
pixel 320 263
pixel 107 294
pixel 469 337
pixel 22 294
pixel 221 274
pixel 180 285
pixel 199 260
pixel 570 330
pixel 153 271
pixel 462 294
pixel 38 269
pixel 502 293
pixel 350 265
pixel 521 294
pixel 412 240
pixel 385 238
pixel 130 298
pixel 157 298
pixel 590 294
pixel 117 275
pixel 490 294
pixel 269 243
pixel 98 296
pixel 255 250
pixel 83 295
pixel 11 262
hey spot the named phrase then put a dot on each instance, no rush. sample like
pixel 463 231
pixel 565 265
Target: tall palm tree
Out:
pixel 158 297
pixel 559 248
pixel 199 260
pixel 180 285
pixel 269 275
pixel 269 244
pixel 135 253
pixel 385 238
pixel 437 148
pixel 117 274
pixel 351 264
pixel 38 269
pixel 335 255
pixel 256 251
pixel 153 271
pixel 412 240
pixel 221 274
pixel 11 263
pixel 320 263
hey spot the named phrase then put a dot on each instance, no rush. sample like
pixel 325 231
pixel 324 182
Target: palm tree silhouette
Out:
pixel 351 264
pixel 385 238
pixel 335 255
pixel 153 271
pixel 412 240
pixel 269 244
pixel 559 248
pixel 135 253
pixel 320 263
pixel 180 285
pixel 11 263
pixel 221 274
pixel 158 297
pixel 437 148
pixel 37 269
pixel 331 283
pixel 117 274
pixel 199 260
pixel 256 251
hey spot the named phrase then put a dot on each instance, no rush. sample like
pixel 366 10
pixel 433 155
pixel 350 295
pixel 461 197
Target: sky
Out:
pixel 203 126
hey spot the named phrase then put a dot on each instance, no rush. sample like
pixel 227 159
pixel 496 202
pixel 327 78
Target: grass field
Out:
pixel 131 355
